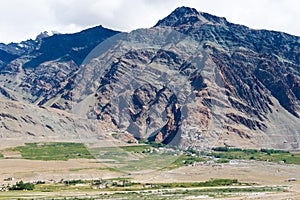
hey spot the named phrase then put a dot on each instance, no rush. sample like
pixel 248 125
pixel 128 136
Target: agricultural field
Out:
pixel 136 158
pixel 269 155
pixel 147 156
pixel 146 171
pixel 125 189
pixel 52 151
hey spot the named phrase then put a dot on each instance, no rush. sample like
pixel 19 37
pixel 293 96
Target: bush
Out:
pixel 73 182
pixel 224 149
pixel 40 182
pixel 270 151
pixel 250 151
pixel 223 160
pixel 193 151
pixel 22 186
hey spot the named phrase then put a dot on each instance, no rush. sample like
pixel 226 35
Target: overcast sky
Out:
pixel 24 19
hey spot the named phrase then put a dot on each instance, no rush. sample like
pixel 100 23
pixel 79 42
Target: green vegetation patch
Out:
pixel 1 155
pixel 22 186
pixel 177 194
pixel 270 155
pixel 184 160
pixel 135 157
pixel 123 188
pixel 136 148
pixel 62 187
pixel 210 183
pixel 53 151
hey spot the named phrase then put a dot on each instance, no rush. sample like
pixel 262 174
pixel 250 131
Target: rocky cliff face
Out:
pixel 271 57
pixel 194 79
pixel 38 73
pixel 9 52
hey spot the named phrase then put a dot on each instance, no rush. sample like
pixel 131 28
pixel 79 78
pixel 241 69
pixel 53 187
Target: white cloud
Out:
pixel 20 20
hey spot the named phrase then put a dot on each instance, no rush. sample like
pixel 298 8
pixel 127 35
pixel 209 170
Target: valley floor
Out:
pixel 260 173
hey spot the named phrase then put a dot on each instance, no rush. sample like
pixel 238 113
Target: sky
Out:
pixel 21 20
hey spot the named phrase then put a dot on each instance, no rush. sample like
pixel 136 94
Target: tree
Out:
pixel 22 186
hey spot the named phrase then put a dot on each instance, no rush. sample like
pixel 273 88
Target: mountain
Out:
pixel 69 46
pixel 41 71
pixel 193 80
pixel 21 122
pixel 12 51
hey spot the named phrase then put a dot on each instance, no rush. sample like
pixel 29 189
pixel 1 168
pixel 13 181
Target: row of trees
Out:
pixel 250 151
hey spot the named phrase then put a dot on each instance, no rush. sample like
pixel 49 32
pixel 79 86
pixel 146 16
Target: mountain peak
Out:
pixel 182 11
pixel 46 34
pixel 186 16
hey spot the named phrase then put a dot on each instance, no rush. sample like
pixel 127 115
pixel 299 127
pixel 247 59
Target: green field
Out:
pixel 137 148
pixel 210 183
pixel 122 158
pixel 184 160
pixel 147 156
pixel 135 158
pixel 125 189
pixel 177 194
pixel 270 155
pixel 125 184
pixel 53 151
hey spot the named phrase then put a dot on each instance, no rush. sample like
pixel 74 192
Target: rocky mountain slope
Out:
pixel 12 51
pixel 193 80
pixel 21 122
pixel 47 66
